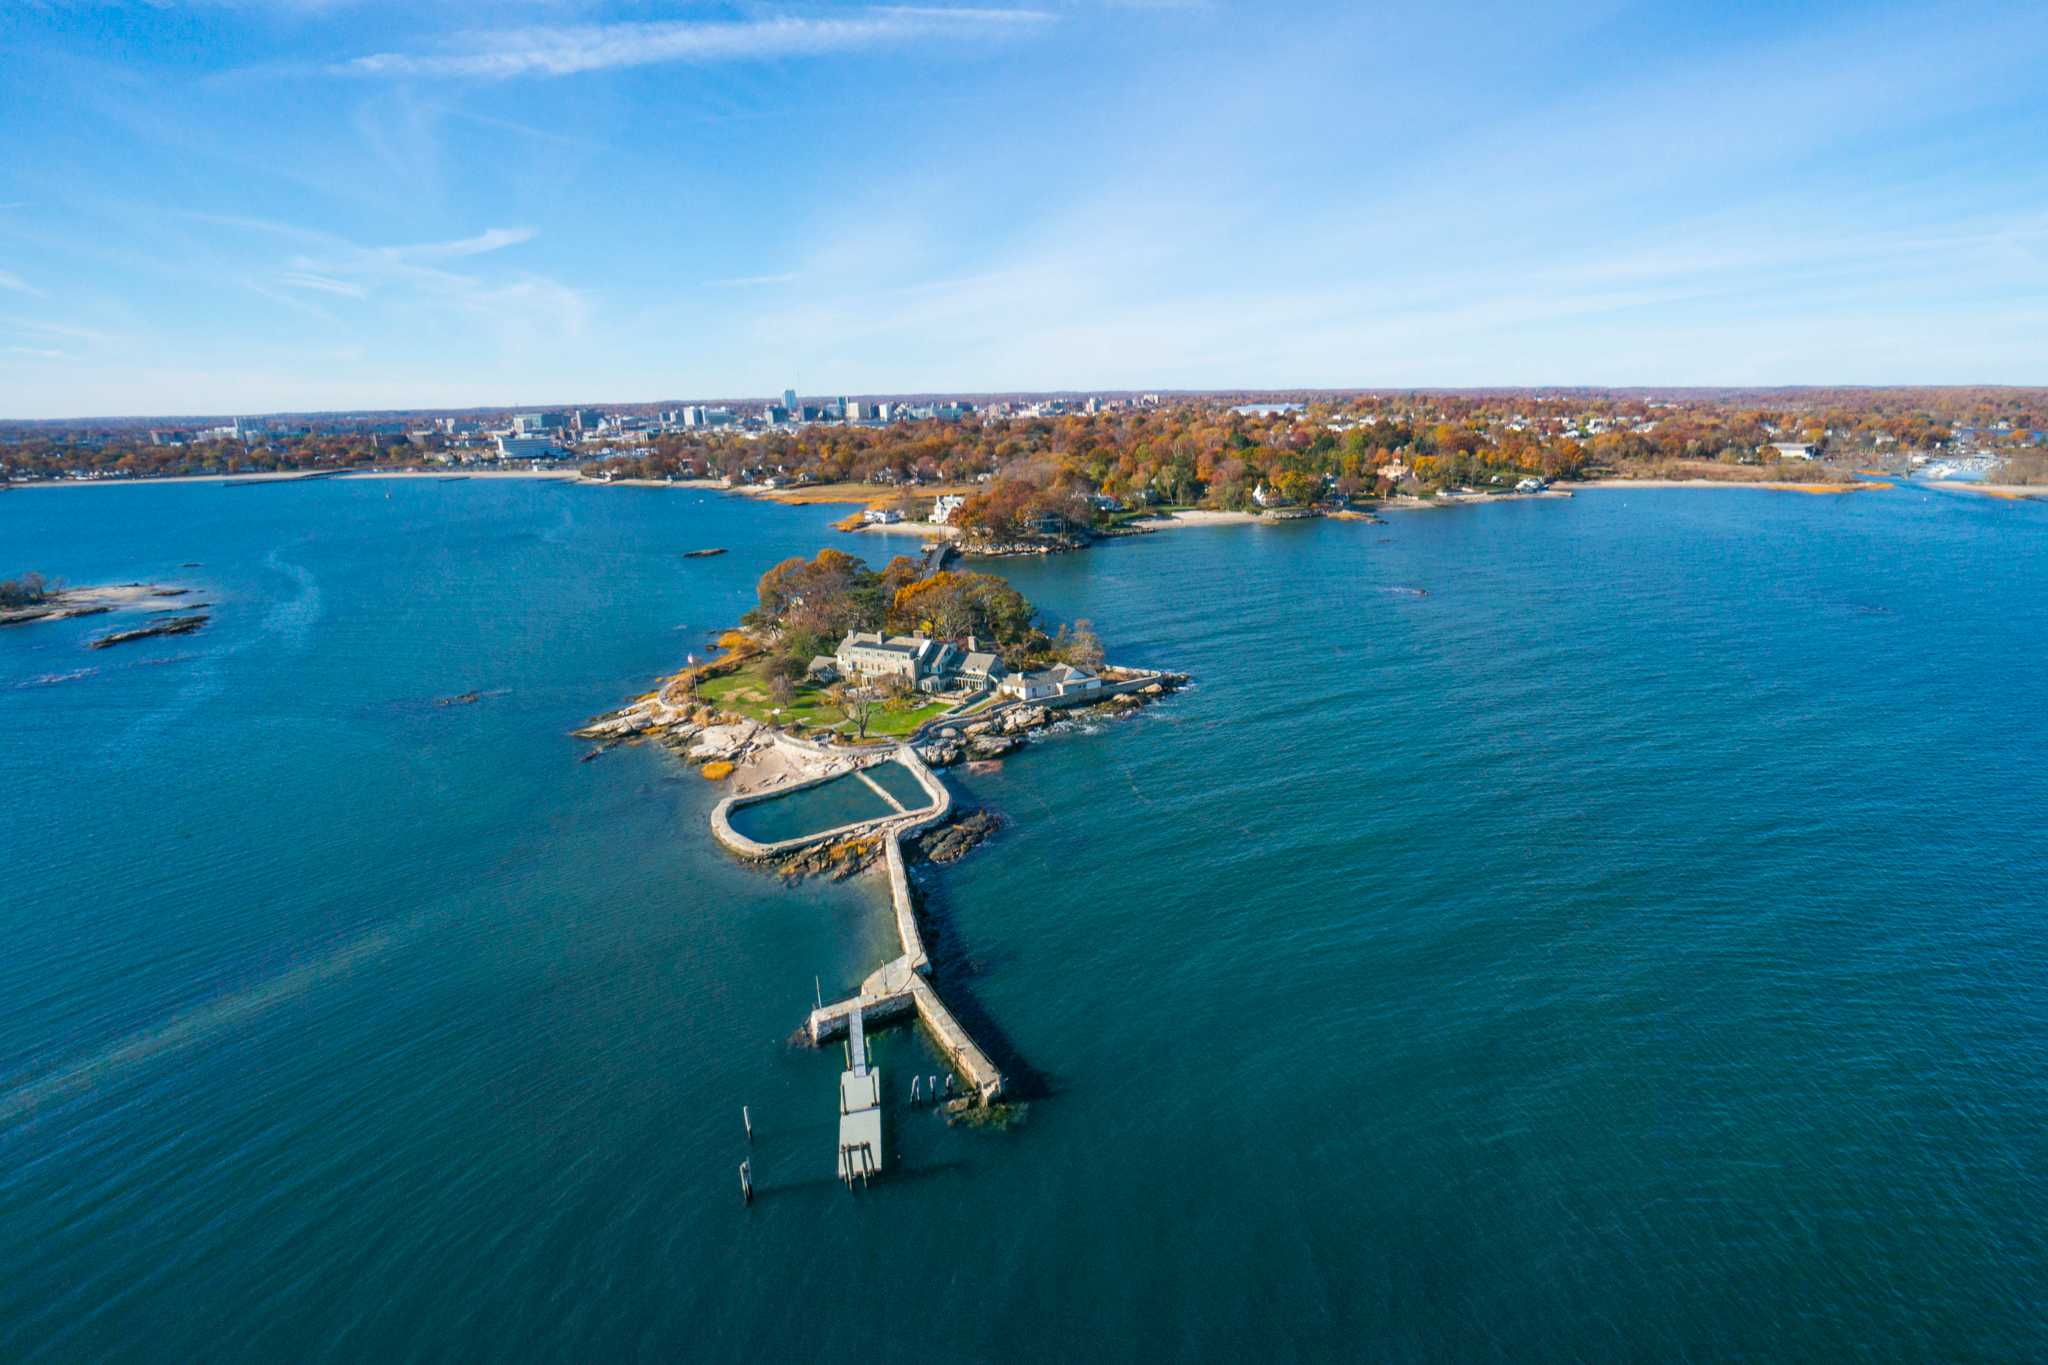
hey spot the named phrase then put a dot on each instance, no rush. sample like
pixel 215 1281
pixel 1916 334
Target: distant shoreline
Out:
pixel 1166 521
pixel 1770 485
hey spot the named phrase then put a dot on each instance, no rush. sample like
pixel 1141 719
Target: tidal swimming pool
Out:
pixel 841 801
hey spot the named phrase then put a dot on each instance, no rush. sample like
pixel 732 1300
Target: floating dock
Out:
pixel 860 1110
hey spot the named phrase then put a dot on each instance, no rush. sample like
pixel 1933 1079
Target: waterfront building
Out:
pixel 529 448
pixel 1061 682
pixel 982 668
pixel 945 505
pixel 870 655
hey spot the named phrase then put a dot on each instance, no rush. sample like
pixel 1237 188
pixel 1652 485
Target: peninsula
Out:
pixel 828 711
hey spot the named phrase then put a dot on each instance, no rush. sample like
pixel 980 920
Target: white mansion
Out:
pixel 941 666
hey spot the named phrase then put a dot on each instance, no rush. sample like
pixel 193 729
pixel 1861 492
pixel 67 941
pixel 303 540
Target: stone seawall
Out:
pixel 899 900
pixel 899 986
pixel 736 842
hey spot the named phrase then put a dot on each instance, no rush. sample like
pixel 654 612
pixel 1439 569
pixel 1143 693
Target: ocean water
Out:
pixel 1592 929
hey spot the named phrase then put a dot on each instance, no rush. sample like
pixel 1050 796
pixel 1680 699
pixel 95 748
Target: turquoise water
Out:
pixel 841 801
pixel 900 783
pixel 1631 948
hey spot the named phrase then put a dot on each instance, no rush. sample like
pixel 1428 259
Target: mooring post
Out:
pixel 747 1119
pixel 818 991
pixel 746 1182
pixel 913 1088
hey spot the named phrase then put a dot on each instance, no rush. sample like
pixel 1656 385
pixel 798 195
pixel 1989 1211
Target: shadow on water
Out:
pixel 830 1185
pixel 954 968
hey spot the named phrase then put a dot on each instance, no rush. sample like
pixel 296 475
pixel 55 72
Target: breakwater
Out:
pixel 941 805
pixel 898 987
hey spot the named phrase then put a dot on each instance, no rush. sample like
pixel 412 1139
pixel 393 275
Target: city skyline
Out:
pixel 301 207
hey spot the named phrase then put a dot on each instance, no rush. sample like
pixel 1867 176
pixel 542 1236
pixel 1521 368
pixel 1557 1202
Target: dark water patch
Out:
pixel 1616 954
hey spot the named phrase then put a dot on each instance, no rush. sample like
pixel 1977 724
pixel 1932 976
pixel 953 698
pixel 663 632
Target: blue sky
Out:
pixel 319 204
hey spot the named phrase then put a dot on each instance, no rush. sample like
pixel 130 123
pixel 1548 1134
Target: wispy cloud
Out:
pixel 490 239
pixel 562 51
pixel 753 281
pixel 326 284
pixel 40 352
pixel 10 280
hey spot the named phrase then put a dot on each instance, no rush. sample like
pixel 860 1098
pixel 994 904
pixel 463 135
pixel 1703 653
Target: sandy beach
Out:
pixel 923 530
pixel 93 601
pixel 290 476
pixel 1197 517
pixel 461 472
pixel 2012 492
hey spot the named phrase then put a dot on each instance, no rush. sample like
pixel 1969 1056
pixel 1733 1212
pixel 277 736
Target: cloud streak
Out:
pixel 563 51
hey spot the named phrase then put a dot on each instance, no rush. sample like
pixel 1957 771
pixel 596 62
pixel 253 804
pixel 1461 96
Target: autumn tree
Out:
pixel 954 604
pixel 1077 645
pixel 858 704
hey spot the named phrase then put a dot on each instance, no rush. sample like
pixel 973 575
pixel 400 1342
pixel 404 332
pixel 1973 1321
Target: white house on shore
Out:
pixel 1061 682
pixel 945 505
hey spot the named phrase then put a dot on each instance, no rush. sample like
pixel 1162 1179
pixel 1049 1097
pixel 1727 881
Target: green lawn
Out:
pixel 745 692
pixel 887 722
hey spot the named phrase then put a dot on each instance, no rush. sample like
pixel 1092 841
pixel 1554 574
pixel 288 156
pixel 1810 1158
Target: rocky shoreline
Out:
pixel 62 603
pixel 757 758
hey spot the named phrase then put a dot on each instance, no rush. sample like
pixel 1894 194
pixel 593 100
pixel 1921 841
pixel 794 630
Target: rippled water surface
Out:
pixel 1592 929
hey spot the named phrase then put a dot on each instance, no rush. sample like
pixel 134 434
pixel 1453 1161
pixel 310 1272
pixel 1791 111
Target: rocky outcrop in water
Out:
pixel 837 860
pixel 951 842
pixel 177 625
pixel 941 753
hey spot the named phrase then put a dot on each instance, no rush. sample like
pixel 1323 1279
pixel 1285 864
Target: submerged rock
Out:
pixel 177 625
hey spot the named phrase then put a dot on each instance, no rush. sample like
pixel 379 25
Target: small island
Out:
pixel 828 710
pixel 32 597
pixel 838 659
